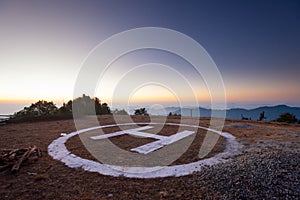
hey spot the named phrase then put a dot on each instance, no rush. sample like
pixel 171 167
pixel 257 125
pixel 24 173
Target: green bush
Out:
pixel 287 117
pixel 45 110
pixel 141 111
pixel 173 114
pixel 40 108
pixel 86 105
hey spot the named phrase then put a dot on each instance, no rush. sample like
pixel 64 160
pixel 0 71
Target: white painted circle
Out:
pixel 58 150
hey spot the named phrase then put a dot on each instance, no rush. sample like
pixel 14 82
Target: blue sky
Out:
pixel 255 44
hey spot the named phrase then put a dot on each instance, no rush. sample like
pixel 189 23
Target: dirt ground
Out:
pixel 50 179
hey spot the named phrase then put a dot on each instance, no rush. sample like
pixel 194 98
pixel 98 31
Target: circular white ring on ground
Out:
pixel 58 150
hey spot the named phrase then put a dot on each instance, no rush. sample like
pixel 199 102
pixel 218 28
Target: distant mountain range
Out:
pixel 271 112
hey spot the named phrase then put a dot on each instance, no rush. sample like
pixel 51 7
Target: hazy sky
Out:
pixel 255 44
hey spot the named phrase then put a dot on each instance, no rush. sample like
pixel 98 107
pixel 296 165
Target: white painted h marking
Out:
pixel 152 146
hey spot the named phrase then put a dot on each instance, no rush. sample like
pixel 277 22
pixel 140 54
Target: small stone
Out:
pixel 110 195
pixel 163 193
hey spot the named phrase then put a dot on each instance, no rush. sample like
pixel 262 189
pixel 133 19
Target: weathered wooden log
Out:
pixel 24 157
pixel 13 158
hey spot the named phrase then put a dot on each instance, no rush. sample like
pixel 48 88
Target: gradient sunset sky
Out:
pixel 255 44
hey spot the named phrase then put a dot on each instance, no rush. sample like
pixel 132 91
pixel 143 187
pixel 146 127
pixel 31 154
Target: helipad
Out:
pixel 58 150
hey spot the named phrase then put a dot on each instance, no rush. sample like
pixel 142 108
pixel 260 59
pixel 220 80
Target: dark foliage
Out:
pixel 86 105
pixel 44 110
pixel 40 108
pixel 173 114
pixel 141 111
pixel 66 108
pixel 287 117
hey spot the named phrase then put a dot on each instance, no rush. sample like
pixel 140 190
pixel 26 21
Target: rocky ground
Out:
pixel 268 168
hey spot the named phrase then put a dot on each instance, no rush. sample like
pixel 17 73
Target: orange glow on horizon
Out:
pixel 165 96
pixel 29 101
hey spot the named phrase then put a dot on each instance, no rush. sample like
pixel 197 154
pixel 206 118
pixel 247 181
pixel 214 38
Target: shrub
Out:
pixel 44 110
pixel 174 114
pixel 86 105
pixel 287 117
pixel 40 108
pixel 141 111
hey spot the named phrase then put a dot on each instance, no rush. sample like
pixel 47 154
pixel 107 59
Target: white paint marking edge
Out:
pixel 152 146
pixel 58 151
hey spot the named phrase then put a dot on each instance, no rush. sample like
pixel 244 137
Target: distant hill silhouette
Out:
pixel 271 112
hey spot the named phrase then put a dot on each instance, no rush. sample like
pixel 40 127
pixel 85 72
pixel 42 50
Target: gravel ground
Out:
pixel 257 174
